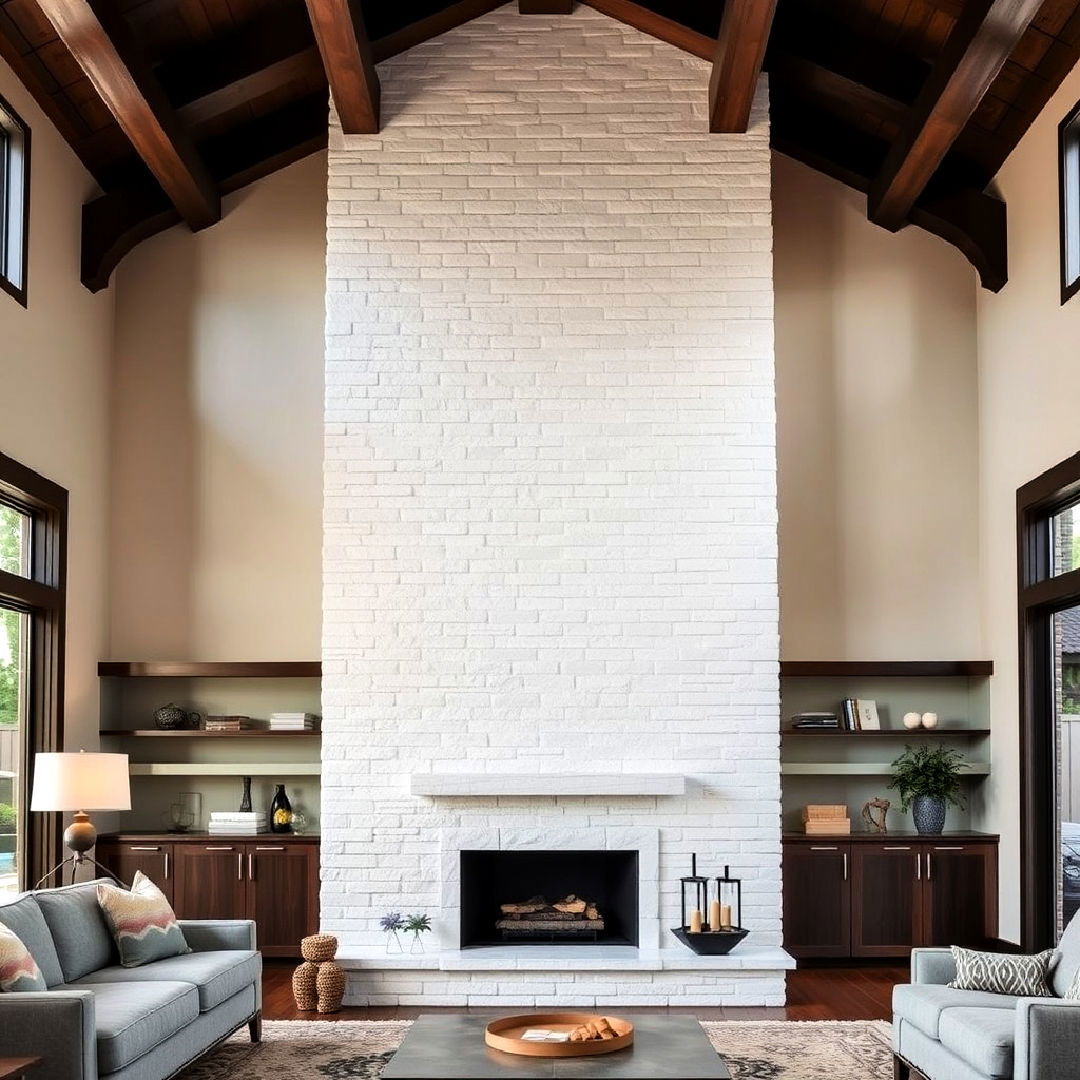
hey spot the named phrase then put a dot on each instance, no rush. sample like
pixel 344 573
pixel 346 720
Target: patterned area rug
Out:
pixel 753 1050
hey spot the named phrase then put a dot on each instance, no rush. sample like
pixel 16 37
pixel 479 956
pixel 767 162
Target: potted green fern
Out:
pixel 928 779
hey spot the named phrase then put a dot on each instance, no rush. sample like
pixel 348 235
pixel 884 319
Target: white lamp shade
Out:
pixel 81 782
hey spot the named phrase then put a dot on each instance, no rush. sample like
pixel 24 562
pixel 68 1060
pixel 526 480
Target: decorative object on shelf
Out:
pixel 815 721
pixel 318 983
pixel 416 925
pixel 929 720
pixel 392 924
pixel 172 718
pixel 826 819
pixel 245 799
pixel 912 720
pixel 280 811
pixel 299 823
pixel 722 932
pixel 185 812
pixel 866 710
pixel 231 725
pixel 928 779
pixel 874 813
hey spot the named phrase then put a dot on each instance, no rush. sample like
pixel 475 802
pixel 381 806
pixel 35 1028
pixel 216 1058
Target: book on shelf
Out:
pixel 236 830
pixel 866 709
pixel 227 723
pixel 815 721
pixel 851 716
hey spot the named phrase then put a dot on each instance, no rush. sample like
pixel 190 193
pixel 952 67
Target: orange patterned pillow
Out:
pixel 18 969
pixel 142 922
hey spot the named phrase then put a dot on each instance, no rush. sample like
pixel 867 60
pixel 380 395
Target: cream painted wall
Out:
pixel 217 433
pixel 1029 371
pixel 54 401
pixel 878 440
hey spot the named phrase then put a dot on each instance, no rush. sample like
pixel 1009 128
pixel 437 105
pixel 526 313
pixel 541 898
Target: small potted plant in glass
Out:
pixel 416 925
pixel 928 780
pixel 392 924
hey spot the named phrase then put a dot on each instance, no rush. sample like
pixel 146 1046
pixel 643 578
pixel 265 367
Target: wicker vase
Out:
pixel 330 983
pixel 303 986
pixel 318 948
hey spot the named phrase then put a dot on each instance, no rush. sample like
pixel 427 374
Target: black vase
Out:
pixel 245 801
pixel 280 811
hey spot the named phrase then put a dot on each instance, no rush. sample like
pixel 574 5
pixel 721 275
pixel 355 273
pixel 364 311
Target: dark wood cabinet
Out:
pixel 880 896
pixel 273 880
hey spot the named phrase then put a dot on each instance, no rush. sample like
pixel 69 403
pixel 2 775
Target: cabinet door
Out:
pixel 126 859
pixel 886 899
pixel 959 894
pixel 282 895
pixel 209 881
pixel 817 900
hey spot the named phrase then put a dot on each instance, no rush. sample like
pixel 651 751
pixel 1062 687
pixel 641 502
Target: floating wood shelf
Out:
pixel 154 733
pixel 866 768
pixel 887 669
pixel 186 669
pixel 893 733
pixel 261 768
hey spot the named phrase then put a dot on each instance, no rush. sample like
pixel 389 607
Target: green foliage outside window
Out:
pixel 11 560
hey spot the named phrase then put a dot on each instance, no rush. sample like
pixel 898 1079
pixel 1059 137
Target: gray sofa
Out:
pixel 98 1019
pixel 947 1034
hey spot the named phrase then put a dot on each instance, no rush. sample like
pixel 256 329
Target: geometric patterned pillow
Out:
pixel 142 922
pixel 18 969
pixel 1003 973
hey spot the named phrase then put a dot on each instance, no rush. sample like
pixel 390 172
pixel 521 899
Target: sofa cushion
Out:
pixel 1003 973
pixel 78 929
pixel 18 971
pixel 142 922
pixel 922 1005
pixel 216 975
pixel 25 918
pixel 132 1018
pixel 1068 958
pixel 981 1037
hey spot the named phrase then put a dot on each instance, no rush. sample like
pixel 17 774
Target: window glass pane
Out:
pixel 1065 533
pixel 14 541
pixel 14 628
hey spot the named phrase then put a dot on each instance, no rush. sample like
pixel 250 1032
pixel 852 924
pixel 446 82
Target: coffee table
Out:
pixel 453 1048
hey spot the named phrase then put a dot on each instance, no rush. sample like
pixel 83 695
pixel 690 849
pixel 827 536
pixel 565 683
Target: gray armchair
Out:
pixel 947 1034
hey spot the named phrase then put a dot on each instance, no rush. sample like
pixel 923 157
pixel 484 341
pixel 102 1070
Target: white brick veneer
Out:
pixel 550 504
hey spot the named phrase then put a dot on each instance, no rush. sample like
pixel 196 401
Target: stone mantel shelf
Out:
pixel 484 785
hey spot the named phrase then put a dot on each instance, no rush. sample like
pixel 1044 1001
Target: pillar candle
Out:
pixel 714 915
pixel 725 916
pixel 695 921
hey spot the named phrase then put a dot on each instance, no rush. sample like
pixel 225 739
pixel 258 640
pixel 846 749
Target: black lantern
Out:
pixel 710 924
pixel 729 893
pixel 698 889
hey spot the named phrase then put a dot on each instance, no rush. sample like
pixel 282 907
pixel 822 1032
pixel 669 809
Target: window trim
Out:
pixel 43 595
pixel 16 290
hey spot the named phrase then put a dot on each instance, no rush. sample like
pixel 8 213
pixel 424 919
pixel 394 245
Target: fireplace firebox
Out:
pixel 549 898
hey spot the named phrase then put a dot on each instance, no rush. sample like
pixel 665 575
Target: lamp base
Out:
pixel 80 836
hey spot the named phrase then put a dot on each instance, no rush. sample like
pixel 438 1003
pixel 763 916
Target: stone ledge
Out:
pixel 482 785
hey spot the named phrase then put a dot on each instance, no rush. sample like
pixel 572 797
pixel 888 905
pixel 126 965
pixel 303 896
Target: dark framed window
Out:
pixel 33 561
pixel 14 202
pixel 1048 537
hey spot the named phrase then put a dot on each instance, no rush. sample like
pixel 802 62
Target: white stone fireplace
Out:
pixel 550 587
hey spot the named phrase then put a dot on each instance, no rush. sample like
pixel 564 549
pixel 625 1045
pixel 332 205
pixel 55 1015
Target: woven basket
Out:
pixel 331 986
pixel 303 986
pixel 318 948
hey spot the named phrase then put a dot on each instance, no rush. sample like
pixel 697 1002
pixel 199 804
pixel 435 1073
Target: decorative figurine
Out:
pixel 172 718
pixel 319 983
pixel 873 813
pixel 912 720
pixel 929 720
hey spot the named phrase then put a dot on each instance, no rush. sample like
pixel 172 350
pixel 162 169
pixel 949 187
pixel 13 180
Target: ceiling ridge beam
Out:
pixel 740 52
pixel 349 64
pixel 974 54
pixel 103 47
pixel 657 26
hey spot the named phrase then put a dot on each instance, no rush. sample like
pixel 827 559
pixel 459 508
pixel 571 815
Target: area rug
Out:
pixel 753 1050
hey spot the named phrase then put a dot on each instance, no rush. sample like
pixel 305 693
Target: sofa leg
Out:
pixel 900 1068
pixel 255 1027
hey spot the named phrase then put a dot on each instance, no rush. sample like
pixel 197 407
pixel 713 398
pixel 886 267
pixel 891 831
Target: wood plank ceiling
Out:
pixel 173 103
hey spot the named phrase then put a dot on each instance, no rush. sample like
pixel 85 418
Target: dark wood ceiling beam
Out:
pixel 424 29
pixel 545 7
pixel 974 53
pixel 648 22
pixel 100 43
pixel 740 52
pixel 349 64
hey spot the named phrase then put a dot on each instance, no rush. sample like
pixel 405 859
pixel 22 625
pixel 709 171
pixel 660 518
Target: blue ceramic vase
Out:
pixel 928 812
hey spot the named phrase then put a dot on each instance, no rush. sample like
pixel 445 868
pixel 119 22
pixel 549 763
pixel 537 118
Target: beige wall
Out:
pixel 1029 370
pixel 878 441
pixel 217 432
pixel 54 400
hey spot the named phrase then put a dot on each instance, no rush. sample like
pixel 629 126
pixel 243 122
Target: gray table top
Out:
pixel 453 1048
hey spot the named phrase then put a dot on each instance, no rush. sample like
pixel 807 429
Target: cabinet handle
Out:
pixel 144 848
pixel 281 848
pixel 218 849
pixel 239 866
pixel 948 849
pixel 166 866
pixel 928 866
pixel 918 866
pixel 845 866
pixel 895 848
pixel 251 867
pixel 824 849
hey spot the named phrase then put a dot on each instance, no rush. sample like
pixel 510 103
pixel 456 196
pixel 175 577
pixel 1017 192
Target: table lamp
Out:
pixel 80 782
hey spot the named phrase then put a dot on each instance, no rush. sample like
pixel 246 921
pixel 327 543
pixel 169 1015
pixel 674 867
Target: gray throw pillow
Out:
pixel 1003 973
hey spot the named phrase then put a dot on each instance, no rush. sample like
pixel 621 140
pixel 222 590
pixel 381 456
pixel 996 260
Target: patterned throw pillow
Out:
pixel 18 969
pixel 142 922
pixel 1073 991
pixel 1003 973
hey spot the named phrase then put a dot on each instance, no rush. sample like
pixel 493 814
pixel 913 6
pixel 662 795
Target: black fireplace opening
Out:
pixel 549 898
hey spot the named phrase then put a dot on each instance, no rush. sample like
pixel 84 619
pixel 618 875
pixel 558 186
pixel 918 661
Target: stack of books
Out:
pixel 240 823
pixel 292 721
pixel 227 723
pixel 826 820
pixel 860 714
pixel 815 721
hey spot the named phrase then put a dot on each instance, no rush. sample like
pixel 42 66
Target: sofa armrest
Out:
pixel 934 967
pixel 208 935
pixel 54 1025
pixel 1047 1039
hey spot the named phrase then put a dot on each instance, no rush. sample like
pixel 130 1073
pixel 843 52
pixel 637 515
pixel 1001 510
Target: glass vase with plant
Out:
pixel 416 925
pixel 392 924
pixel 928 779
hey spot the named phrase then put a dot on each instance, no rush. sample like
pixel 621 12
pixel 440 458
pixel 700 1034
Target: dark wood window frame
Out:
pixel 14 156
pixel 42 596
pixel 1041 595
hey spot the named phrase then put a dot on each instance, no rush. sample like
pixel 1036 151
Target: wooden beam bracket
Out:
pixel 740 53
pixel 350 67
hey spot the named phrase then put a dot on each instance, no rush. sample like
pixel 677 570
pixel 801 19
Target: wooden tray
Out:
pixel 505 1035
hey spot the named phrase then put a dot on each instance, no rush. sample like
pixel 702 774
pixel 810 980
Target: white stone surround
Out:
pixel 550 506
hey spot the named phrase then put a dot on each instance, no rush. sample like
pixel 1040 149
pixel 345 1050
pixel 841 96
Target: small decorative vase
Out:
pixel 280 811
pixel 393 942
pixel 417 942
pixel 928 812
pixel 245 800
pixel 172 718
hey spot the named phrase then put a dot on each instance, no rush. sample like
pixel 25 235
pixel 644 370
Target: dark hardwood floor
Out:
pixel 817 993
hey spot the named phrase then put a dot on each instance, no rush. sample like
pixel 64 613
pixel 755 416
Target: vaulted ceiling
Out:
pixel 173 103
